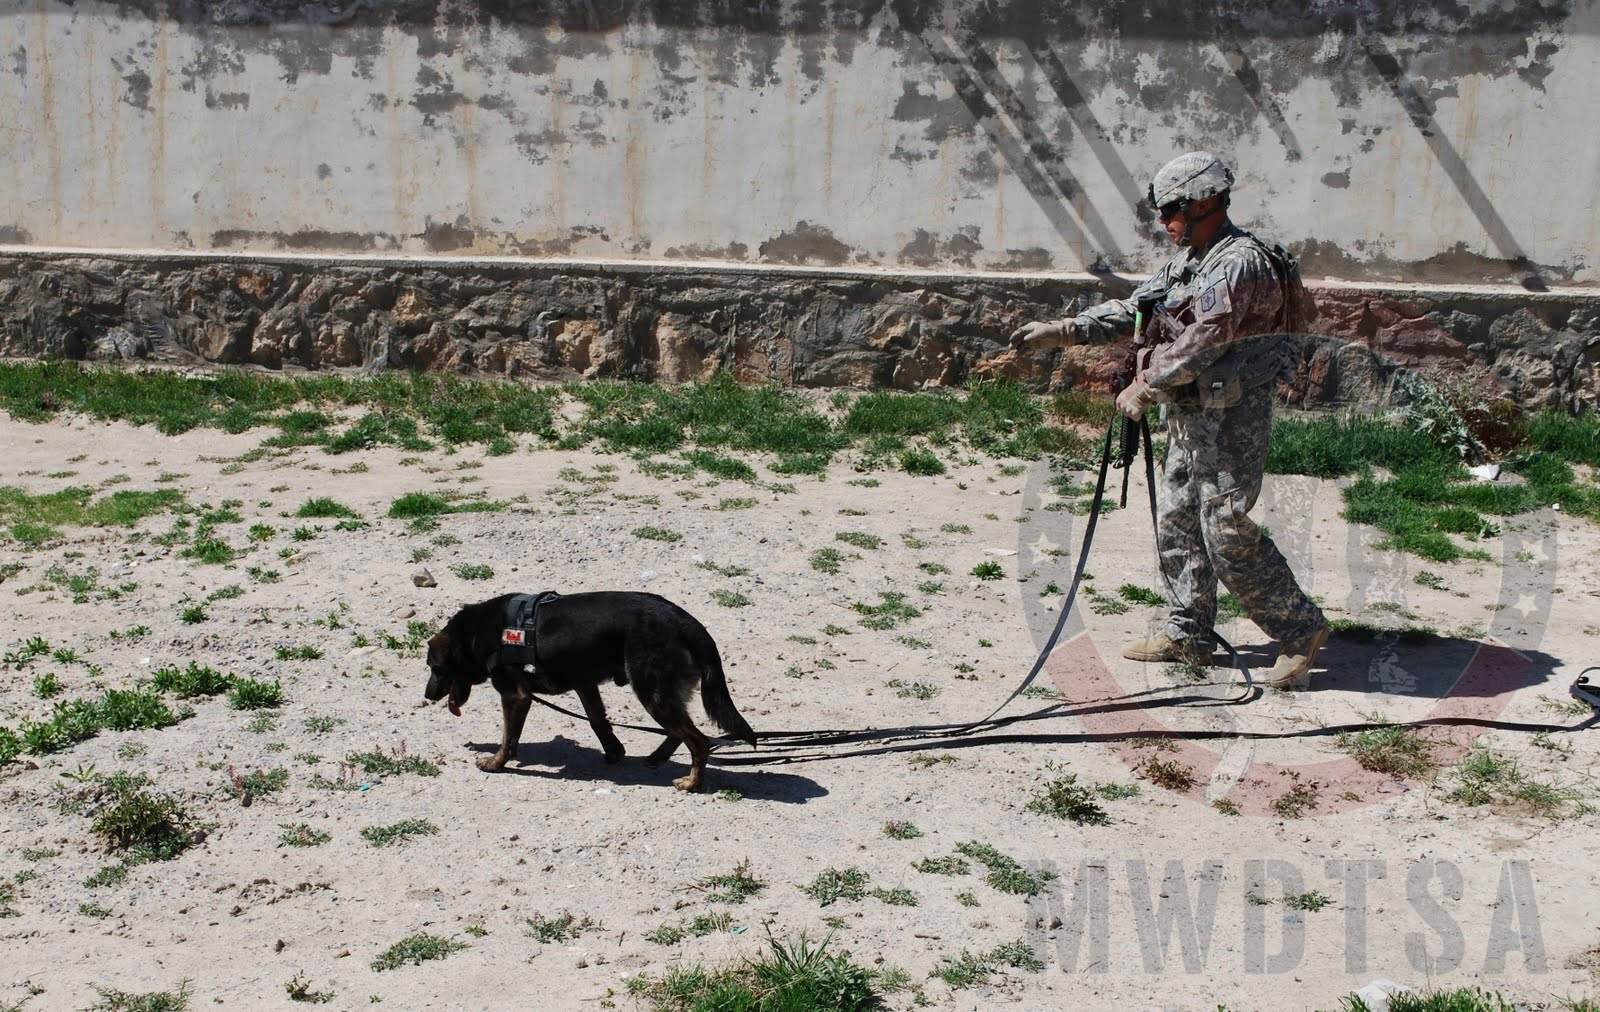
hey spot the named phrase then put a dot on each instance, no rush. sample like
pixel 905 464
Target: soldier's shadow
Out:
pixel 1418 665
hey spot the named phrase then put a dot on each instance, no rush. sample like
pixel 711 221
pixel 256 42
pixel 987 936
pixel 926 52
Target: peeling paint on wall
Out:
pixel 1385 142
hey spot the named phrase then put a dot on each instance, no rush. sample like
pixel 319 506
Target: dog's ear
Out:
pixel 438 648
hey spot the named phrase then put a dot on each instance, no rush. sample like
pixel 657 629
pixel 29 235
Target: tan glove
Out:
pixel 1138 396
pixel 1044 334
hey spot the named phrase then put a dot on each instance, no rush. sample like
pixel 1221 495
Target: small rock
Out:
pixel 363 651
pixel 406 612
pixel 423 578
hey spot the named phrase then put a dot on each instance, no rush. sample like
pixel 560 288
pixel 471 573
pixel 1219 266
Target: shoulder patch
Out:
pixel 1214 300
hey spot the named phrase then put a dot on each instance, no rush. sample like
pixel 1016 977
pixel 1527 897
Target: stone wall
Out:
pixel 543 320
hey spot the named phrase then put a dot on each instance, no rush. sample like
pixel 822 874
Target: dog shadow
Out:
pixel 562 758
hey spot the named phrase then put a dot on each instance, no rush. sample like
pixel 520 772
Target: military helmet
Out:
pixel 1193 176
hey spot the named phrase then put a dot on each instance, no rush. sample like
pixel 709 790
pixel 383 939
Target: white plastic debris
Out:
pixel 1376 995
pixel 1485 472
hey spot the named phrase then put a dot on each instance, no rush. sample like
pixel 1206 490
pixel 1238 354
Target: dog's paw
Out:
pixel 689 783
pixel 491 764
pixel 614 756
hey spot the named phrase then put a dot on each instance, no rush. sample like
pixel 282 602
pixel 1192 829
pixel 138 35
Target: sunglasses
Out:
pixel 1171 210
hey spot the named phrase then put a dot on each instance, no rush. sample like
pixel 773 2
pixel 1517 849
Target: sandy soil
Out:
pixel 1488 894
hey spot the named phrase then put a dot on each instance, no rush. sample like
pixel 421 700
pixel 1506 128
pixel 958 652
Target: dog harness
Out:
pixel 519 636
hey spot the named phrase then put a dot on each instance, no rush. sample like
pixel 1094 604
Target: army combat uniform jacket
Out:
pixel 1218 333
pixel 1219 323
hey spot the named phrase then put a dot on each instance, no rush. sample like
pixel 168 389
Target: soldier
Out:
pixel 1222 305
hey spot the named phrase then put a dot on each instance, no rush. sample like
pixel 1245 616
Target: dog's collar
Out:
pixel 519 632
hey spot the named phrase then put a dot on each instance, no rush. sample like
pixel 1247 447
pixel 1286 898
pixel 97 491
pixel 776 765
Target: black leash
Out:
pixel 818 738
pixel 820 745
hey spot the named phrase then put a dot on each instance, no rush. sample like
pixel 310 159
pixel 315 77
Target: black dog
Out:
pixel 526 645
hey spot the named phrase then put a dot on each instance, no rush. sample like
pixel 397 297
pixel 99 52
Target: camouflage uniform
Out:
pixel 1221 315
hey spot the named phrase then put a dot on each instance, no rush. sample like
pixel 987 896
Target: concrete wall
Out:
pixel 1422 142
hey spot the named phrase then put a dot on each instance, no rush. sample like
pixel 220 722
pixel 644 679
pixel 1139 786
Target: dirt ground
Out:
pixel 1172 903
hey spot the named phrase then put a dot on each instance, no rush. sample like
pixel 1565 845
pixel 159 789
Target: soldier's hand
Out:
pixel 1133 400
pixel 1043 334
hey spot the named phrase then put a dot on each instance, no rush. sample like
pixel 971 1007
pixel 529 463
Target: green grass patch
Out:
pixel 1005 873
pixel 888 613
pixel 398 832
pixel 138 824
pixel 425 508
pixel 1136 594
pixel 1396 751
pixel 826 560
pixel 1310 902
pixel 1465 999
pixel 651 533
pixel 300 834
pixel 256 783
pixel 833 885
pixel 36 519
pixel 415 950
pixel 735 886
pixel 193 681
pixel 1484 778
pixel 859 539
pixel 921 462
pixel 1062 797
pixel 790 976
pixel 972 969
pixel 114 1000
pixel 384 764
pixel 950 865
pixel 988 570
pixel 325 507
pixel 562 927
pixel 253 694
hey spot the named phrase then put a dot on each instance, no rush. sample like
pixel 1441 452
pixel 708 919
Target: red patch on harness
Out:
pixel 513 637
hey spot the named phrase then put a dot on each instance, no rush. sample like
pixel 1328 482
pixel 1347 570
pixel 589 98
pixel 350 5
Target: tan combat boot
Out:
pixel 1162 648
pixel 1294 661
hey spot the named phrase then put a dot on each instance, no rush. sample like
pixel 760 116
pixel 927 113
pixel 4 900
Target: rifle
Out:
pixel 1128 451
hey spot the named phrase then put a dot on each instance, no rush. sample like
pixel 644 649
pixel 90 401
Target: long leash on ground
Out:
pixel 789 746
pixel 993 720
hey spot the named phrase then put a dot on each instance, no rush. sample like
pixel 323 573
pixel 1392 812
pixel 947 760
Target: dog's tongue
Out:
pixel 455 711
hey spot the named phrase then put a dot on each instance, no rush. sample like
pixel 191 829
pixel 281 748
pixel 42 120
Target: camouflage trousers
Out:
pixel 1208 484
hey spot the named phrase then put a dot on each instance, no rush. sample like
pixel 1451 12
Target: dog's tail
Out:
pixel 719 705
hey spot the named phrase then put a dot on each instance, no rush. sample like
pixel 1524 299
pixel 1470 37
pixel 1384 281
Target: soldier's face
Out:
pixel 1174 226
